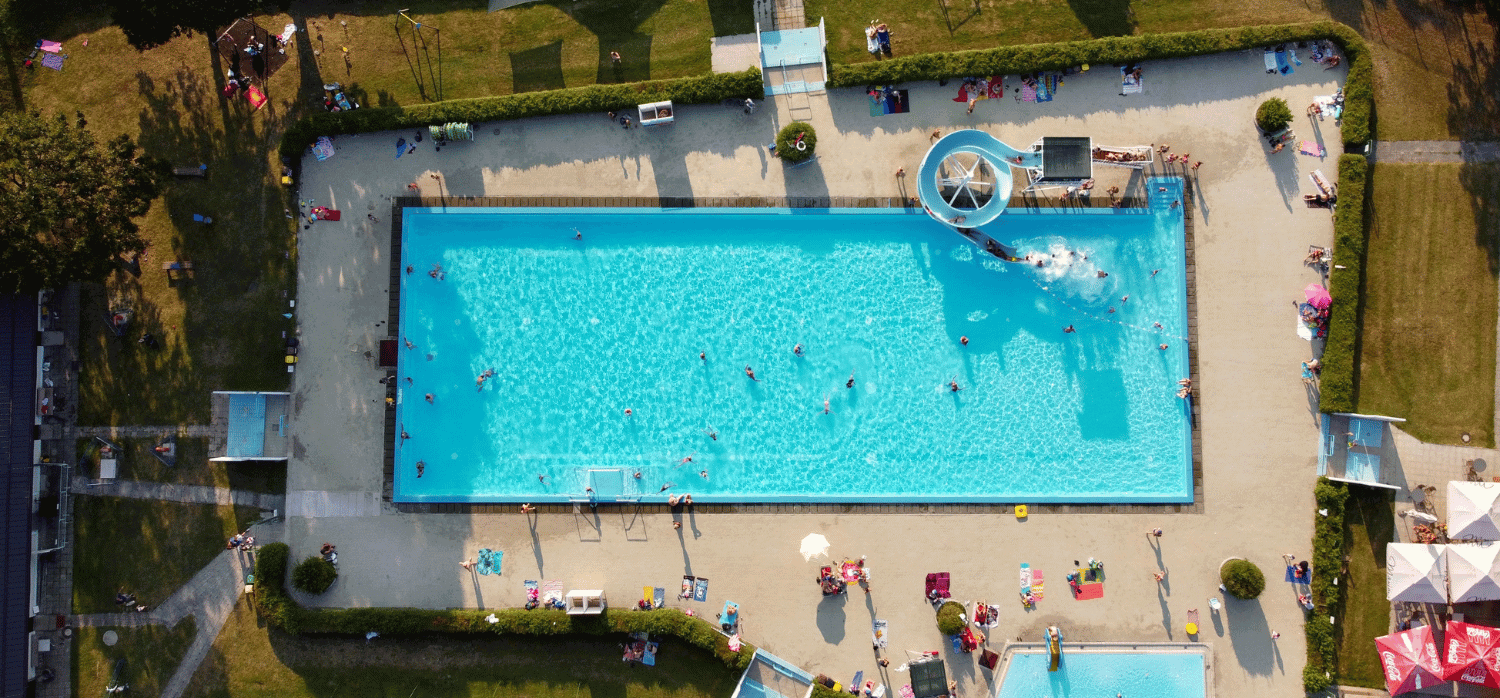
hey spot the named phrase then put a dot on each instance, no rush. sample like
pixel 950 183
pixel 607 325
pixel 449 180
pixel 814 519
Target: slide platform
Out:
pixel 978 143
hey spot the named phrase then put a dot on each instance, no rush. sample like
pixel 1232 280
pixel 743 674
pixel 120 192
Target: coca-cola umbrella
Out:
pixel 1317 296
pixel 1409 660
pixel 1471 654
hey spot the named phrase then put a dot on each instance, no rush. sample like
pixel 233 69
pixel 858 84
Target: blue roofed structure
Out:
pixel 249 426
pixel 793 60
pixel 18 371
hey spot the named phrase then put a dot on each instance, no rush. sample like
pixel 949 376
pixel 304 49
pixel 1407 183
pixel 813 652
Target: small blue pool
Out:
pixel 578 331
pixel 1134 675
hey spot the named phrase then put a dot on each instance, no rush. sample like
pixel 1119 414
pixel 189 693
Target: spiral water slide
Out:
pixel 942 169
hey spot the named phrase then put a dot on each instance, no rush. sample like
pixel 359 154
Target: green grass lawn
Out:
pixel 249 660
pixel 1428 351
pixel 151 654
pixel 193 466
pixel 1369 523
pixel 146 547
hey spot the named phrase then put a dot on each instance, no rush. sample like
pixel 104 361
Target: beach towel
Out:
pixel 400 147
pixel 963 94
pixel 1129 83
pixel 532 593
pixel 49 46
pixel 997 86
pixel 859 678
pixel 52 61
pixel 1025 576
pixel 287 32
pixel 1044 90
pixel 700 589
pixel 1292 53
pixel 906 692
pixel 1321 181
pixel 1028 93
pixel 884 37
pixel 888 101
pixel 1036 583
pixel 323 149
pixel 1270 61
pixel 255 97
pixel 649 658
pixel 659 597
pixel 1291 574
pixel 485 563
pixel 1084 592
pixel 871 44
pixel 1311 148
pixel 687 587
pixel 552 591
pixel 1282 66
pixel 730 617
pixel 880 633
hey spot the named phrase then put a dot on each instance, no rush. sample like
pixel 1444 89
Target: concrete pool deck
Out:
pixel 1258 435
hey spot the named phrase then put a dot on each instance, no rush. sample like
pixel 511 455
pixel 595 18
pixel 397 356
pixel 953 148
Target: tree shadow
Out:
pixel 1104 17
pixel 1250 635
pixel 1481 181
pixel 731 17
pixel 831 618
pixel 537 69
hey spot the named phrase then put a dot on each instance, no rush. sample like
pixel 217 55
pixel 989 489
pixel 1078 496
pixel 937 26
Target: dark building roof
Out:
pixel 1067 158
pixel 17 408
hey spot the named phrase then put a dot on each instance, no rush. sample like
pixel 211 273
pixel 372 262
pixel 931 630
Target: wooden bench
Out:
pixel 199 171
pixel 180 267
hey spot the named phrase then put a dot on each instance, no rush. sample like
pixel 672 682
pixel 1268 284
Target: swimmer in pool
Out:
pixel 825 406
pixel 953 385
pixel 712 434
pixel 542 479
pixel 429 398
pixel 702 356
pixel 578 234
pixel 408 268
pixel 964 341
pixel 665 487
pixel 421 468
pixel 703 474
pixel 688 459
pixel 404 435
pixel 1069 330
pixel 409 345
pixel 751 372
pixel 797 350
pixel 850 383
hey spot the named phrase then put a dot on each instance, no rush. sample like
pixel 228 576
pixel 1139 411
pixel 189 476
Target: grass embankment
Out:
pixel 1428 350
pixel 151 654
pixel 249 660
pixel 193 466
pixel 1369 524
pixel 147 547
pixel 1421 97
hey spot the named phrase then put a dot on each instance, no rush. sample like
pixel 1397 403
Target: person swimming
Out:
pixel 953 385
pixel 421 468
pixel 751 372
pixel 849 383
pixel 712 434
pixel 797 350
pixel 703 356
pixel 825 406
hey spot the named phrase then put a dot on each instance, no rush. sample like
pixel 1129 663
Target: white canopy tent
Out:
pixel 1473 572
pixel 1416 573
pixel 1474 510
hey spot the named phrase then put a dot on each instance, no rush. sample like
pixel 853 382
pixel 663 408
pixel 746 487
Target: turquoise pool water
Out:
pixel 579 331
pixel 1135 675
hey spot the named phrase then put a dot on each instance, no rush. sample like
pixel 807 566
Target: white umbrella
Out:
pixel 1416 573
pixel 1473 573
pixel 1474 510
pixel 814 545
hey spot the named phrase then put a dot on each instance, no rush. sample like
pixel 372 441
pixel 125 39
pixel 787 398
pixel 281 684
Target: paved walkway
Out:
pixel 209 597
pixel 144 432
pixel 172 492
pixel 1435 151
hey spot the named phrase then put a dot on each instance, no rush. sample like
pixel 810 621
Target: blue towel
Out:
pixel 1291 573
pixel 495 558
pixel 1282 64
pixel 400 147
pixel 700 589
pixel 483 561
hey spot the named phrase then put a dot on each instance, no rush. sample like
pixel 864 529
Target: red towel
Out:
pixel 1085 592
pixel 963 94
pixel 997 86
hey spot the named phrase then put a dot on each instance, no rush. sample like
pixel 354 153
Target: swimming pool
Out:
pixel 579 331
pixel 1090 673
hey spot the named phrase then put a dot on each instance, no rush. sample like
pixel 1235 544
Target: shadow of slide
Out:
pixel 537 68
pixel 1104 17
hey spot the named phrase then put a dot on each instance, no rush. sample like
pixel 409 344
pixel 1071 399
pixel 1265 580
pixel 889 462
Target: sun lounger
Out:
pixel 880 633
pixel 700 589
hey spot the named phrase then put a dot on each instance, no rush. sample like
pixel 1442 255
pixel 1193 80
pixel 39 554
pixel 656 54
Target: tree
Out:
pixel 149 23
pixel 1273 115
pixel 950 618
pixel 314 575
pixel 787 144
pixel 66 203
pixel 1242 579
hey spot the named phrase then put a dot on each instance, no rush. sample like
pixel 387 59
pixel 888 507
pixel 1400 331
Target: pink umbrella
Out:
pixel 1409 660
pixel 1317 296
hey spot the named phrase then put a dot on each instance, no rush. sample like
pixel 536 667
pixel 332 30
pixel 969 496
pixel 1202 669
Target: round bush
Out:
pixel 1242 578
pixel 314 575
pixel 786 141
pixel 1273 115
pixel 949 620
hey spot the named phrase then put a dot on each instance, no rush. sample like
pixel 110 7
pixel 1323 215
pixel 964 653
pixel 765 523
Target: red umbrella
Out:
pixel 1410 660
pixel 1471 654
pixel 1317 296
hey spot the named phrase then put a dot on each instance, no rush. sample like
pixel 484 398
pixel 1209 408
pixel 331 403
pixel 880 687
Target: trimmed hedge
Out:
pixel 314 575
pixel 704 89
pixel 1012 60
pixel 284 612
pixel 1273 115
pixel 949 618
pixel 788 135
pixel 1336 382
pixel 1327 561
pixel 1242 579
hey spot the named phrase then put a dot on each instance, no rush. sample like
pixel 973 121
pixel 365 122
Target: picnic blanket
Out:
pixel 1311 148
pixel 700 589
pixel 1084 592
pixel 906 692
pixel 880 633
pixel 489 560
pixel 53 61
pixel 887 100
pixel 323 149
pixel 49 46
pixel 1028 92
pixel 287 32
pixel 253 95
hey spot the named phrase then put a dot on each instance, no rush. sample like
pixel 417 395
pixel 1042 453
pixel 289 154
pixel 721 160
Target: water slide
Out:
pixel 959 175
pixel 1054 647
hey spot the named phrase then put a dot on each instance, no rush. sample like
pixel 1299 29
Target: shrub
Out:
pixel 1243 579
pixel 314 575
pixel 270 587
pixel 1336 382
pixel 1012 60
pixel 1314 679
pixel 703 89
pixel 1273 115
pixel 786 141
pixel 949 618
pixel 1328 543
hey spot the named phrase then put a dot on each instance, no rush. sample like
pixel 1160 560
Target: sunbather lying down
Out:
pixel 1319 198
